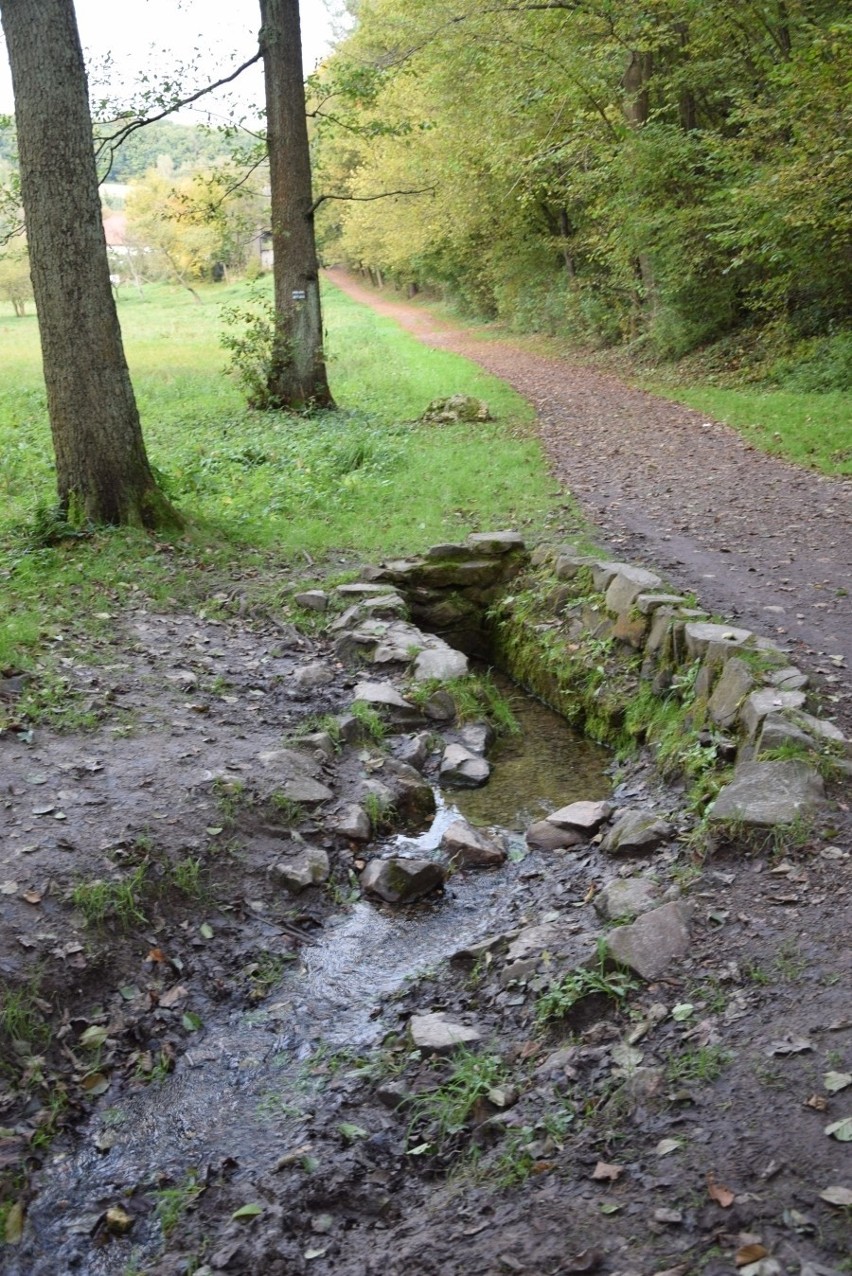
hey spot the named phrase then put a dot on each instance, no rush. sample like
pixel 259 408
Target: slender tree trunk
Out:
pixel 102 470
pixel 297 375
pixel 637 108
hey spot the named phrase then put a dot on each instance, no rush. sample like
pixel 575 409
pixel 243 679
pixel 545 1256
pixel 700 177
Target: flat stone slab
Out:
pixel 442 663
pixel 435 1034
pixel 766 794
pixel 289 763
pixel 585 817
pixel 495 542
pixel 636 833
pixel 649 945
pixel 626 897
pixel 648 603
pixel 760 704
pixel 466 847
pixel 385 699
pixel 399 881
pixel 462 769
pixel 715 643
pixel 306 792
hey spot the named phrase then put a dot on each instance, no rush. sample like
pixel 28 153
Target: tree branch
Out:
pixel 422 190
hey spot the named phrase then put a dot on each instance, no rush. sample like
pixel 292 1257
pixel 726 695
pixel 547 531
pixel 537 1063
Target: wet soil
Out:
pixel 759 540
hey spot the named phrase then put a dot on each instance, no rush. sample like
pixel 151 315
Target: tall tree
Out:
pixel 297 373
pixel 103 473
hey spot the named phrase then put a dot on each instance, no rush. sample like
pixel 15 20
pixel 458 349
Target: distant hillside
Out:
pixel 185 144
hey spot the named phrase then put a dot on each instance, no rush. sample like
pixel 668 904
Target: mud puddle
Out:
pixel 242 1096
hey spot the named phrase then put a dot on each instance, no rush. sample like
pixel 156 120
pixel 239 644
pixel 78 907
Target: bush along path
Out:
pixel 762 541
pixel 271 1003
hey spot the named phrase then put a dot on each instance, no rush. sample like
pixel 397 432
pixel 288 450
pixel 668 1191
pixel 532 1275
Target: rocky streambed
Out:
pixel 320 972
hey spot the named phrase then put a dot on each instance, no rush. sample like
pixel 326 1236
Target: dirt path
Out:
pixel 758 539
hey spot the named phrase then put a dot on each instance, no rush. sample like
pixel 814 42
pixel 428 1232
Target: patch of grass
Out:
pixel 440 1115
pixel 704 1064
pixel 231 796
pixel 186 875
pixel 265 972
pixel 371 723
pixel 379 809
pixel 118 901
pixel 23 1025
pixel 171 1203
pixel 288 811
pixel 561 997
pixel 807 427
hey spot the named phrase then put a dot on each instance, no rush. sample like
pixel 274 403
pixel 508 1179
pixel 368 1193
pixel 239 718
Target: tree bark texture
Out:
pixel 298 374
pixel 102 470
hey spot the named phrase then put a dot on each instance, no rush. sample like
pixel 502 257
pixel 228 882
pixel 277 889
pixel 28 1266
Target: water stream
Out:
pixel 239 1092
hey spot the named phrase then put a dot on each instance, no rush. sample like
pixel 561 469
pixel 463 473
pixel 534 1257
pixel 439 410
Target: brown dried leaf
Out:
pixel 750 1254
pixel 174 996
pixel 604 1172
pixel 817 1101
pixel 719 1193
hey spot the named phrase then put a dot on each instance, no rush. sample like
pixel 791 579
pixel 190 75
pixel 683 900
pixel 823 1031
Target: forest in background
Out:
pixel 664 173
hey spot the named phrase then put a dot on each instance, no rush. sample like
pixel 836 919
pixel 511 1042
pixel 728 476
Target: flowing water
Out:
pixel 241 1091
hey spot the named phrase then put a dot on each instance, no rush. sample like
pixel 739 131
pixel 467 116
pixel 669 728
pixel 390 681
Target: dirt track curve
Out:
pixel 758 539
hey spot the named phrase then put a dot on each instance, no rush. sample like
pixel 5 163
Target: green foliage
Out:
pixel 706 190
pixel 370 722
pixel 118 901
pixel 705 1063
pixel 438 1116
pixel 561 997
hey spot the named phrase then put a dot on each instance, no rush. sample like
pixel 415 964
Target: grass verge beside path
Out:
pixel 260 488
pixel 814 430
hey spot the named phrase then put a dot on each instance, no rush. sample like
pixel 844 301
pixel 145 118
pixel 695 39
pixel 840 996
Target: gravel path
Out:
pixel 758 539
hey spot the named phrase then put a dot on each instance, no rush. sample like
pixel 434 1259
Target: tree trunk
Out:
pixel 102 470
pixel 637 108
pixel 297 375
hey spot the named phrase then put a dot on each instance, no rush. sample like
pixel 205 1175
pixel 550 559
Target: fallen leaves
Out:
pixel 717 1192
pixel 790 1045
pixel 604 1172
pixel 840 1130
pixel 840 1196
pixel 834 1081
pixel 750 1254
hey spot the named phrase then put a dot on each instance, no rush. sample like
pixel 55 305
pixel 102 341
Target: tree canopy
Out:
pixel 672 168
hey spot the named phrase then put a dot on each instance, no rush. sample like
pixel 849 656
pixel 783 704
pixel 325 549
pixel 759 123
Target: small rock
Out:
pixel 434 1034
pixel 384 697
pixel 399 881
pixel 715 643
pixel 734 685
pixel 585 817
pixel 495 542
pixel 477 737
pixel 413 750
pixel 761 703
pixel 636 832
pixel 626 585
pixel 312 599
pixel 354 823
pixel 442 663
pixel 440 707
pixel 626 897
pixel 306 792
pixel 466 847
pixel 309 677
pixel 649 945
pixel 462 769
pixel 307 867
pixel 544 836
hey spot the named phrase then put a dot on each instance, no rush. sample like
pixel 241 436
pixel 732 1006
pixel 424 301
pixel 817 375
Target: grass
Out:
pixel 259 488
pixel 117 901
pixel 561 997
pixel 439 1115
pixel 705 1063
pixel 809 428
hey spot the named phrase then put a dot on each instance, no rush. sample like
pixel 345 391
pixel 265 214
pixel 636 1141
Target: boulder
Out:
pixel 312 676
pixel 495 543
pixel 413 750
pixel 766 794
pixel 413 797
pixel 466 847
pixel 307 866
pixel 477 737
pixel 306 792
pixel 435 1034
pixel 649 945
pixel 461 769
pixel 636 833
pixel 715 643
pixel 399 881
pixel 386 700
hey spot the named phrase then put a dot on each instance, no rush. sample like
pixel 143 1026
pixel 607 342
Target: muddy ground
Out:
pixel 215 1075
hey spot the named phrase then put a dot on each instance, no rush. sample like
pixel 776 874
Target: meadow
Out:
pixel 259 489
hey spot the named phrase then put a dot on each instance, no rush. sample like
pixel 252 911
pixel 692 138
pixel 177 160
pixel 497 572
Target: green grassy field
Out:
pixel 258 488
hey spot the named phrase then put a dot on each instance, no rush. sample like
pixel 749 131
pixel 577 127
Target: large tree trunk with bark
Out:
pixel 103 474
pixel 297 375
